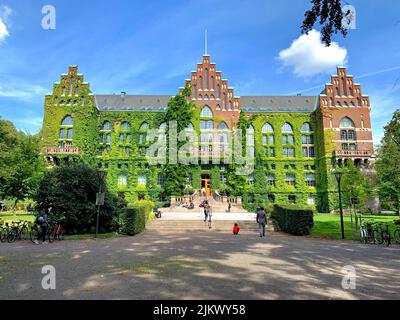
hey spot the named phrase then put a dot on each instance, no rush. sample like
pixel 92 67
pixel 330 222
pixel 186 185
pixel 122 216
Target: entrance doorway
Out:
pixel 206 183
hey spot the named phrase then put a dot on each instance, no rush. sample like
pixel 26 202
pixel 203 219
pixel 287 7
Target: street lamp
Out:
pixel 338 175
pixel 99 199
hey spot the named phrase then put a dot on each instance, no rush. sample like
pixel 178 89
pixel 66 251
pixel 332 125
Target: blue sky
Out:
pixel 150 47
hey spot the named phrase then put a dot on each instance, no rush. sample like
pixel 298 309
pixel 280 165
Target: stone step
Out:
pixel 195 225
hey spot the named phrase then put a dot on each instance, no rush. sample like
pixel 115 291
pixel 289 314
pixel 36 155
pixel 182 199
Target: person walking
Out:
pixel 208 208
pixel 203 206
pixel 262 221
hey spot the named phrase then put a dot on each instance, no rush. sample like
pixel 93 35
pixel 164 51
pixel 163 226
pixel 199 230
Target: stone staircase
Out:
pixel 201 226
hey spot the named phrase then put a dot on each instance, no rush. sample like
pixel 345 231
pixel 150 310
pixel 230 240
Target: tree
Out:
pixel 388 164
pixel 330 16
pixel 69 193
pixel 180 109
pixel 20 165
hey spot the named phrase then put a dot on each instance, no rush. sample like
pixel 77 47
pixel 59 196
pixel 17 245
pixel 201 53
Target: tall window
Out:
pixel 122 180
pixel 142 180
pixel 347 133
pixel 106 126
pixel 212 82
pixel 223 139
pixel 290 179
pixel 200 82
pixel 307 140
pixel 194 91
pixel 206 78
pixel 218 91
pixel 310 179
pixel 268 140
pixel 271 179
pixel 66 130
pixel 287 138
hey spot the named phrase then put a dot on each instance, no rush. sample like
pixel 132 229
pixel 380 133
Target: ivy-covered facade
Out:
pixel 296 138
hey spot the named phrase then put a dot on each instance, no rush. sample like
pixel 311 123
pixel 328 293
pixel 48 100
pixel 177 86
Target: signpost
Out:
pixel 99 199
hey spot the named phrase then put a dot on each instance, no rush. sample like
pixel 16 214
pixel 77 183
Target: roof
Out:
pixel 279 103
pixel 155 103
pixel 119 102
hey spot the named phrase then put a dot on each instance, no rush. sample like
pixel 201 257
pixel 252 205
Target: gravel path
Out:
pixel 157 265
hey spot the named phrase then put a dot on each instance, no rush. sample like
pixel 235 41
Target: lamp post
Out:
pixel 99 199
pixel 338 175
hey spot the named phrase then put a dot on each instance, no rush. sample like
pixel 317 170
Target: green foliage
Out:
pixel 135 217
pixel 176 175
pixel 20 167
pixel 330 15
pixel 387 164
pixel 294 220
pixel 69 192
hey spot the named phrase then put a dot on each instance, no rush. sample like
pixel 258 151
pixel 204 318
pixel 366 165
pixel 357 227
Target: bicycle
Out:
pixel 366 232
pixel 36 233
pixel 57 233
pixel 18 231
pixel 3 232
pixel 382 234
pixel 396 234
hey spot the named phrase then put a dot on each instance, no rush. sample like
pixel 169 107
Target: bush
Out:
pixel 69 193
pixel 136 216
pixel 294 220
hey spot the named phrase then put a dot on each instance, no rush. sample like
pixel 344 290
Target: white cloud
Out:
pixel 5 13
pixel 308 56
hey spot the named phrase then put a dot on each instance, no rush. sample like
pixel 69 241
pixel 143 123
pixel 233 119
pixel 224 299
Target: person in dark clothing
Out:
pixel 262 221
pixel 44 222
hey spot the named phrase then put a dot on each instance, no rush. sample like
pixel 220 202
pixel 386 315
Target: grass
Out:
pixel 327 226
pixel 8 216
pixel 91 236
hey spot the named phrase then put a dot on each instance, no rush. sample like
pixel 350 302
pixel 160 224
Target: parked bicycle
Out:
pixel 367 232
pixel 382 234
pixel 396 234
pixel 18 230
pixel 57 233
pixel 36 234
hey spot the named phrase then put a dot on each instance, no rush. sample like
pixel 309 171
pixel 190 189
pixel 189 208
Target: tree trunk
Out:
pixel 15 208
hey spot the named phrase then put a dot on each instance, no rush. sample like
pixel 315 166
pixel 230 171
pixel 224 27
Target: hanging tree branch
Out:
pixel 330 17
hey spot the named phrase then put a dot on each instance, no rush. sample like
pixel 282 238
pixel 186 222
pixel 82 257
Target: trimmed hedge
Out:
pixel 135 217
pixel 294 220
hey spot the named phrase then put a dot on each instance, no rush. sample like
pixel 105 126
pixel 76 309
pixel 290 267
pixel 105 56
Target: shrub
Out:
pixel 294 220
pixel 69 193
pixel 136 216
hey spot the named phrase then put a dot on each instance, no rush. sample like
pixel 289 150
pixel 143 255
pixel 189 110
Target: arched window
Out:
pixel 125 126
pixel 212 82
pixel 267 128
pixel 287 127
pixel 223 126
pixel 106 126
pixel 250 129
pixel 347 123
pixel 163 127
pixel 218 91
pixel 201 83
pixel 122 180
pixel 190 127
pixel 307 128
pixel 67 121
pixel 352 104
pixel 218 107
pixel 230 106
pixel 206 112
pixel 338 104
pixel 144 127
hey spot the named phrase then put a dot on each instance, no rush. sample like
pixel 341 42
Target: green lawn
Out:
pixel 8 216
pixel 328 226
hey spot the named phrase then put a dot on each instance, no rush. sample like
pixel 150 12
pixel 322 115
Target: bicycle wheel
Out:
pixel 34 235
pixel 60 236
pixel 12 236
pixel 23 233
pixel 397 236
pixel 3 235
pixel 386 238
pixel 378 237
pixel 363 238
pixel 51 235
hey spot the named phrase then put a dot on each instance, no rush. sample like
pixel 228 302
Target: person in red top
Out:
pixel 236 229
